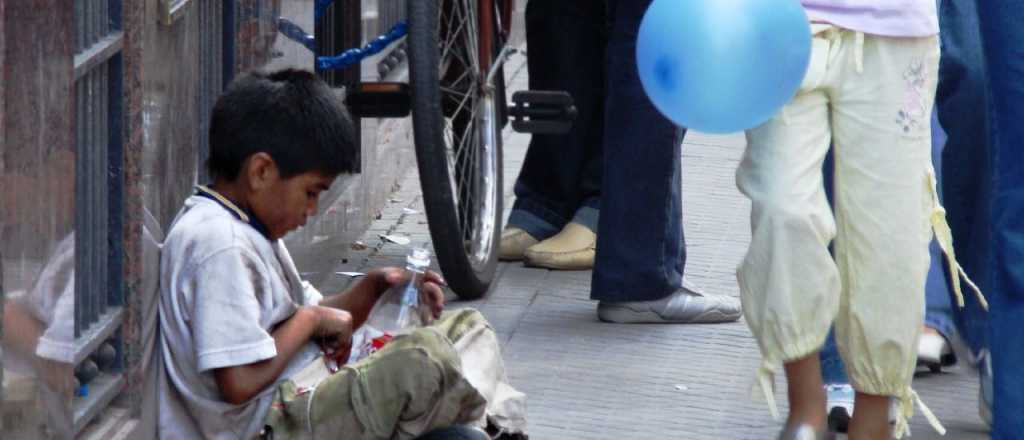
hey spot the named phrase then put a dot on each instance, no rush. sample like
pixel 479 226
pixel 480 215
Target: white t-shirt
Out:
pixel 223 288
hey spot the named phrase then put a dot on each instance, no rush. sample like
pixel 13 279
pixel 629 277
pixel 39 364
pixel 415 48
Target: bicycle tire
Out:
pixel 466 250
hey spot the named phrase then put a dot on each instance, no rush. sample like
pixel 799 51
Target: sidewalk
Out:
pixel 592 380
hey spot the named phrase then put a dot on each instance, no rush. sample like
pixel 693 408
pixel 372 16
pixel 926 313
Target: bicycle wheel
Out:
pixel 457 124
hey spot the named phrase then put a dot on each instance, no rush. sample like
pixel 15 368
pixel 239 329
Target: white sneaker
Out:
pixel 686 306
pixel 934 352
pixel 839 398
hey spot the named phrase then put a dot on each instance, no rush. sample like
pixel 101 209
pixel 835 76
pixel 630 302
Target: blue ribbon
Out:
pixel 354 56
pixel 296 34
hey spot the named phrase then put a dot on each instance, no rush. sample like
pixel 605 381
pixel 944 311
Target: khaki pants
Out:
pixel 413 385
pixel 871 98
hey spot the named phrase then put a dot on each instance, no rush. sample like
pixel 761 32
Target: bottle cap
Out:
pixel 418 257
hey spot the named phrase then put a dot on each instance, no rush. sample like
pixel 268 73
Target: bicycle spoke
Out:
pixel 467 150
pixel 471 34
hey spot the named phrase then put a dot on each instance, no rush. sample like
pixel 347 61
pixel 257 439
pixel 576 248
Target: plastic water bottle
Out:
pixel 397 312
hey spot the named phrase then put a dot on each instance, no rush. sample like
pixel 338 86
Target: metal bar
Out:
pixel 90 17
pixel 98 232
pixel 115 163
pixel 80 209
pixel 228 32
pixel 86 22
pixel 204 87
pixel 103 184
pixel 101 18
pixel 98 18
pixel 115 7
pixel 95 335
pixel 485 29
pixel 498 62
pixel 98 53
pixel 105 17
pixel 94 233
pixel 86 229
pixel 218 52
pixel 79 25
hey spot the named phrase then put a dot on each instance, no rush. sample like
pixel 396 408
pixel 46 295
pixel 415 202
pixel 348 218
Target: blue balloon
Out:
pixel 721 66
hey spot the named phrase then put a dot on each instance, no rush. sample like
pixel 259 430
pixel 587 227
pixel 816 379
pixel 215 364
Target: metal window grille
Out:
pixel 390 12
pixel 340 28
pixel 171 10
pixel 99 294
pixel 211 70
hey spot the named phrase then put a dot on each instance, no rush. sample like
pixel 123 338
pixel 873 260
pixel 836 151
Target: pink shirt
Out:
pixel 891 18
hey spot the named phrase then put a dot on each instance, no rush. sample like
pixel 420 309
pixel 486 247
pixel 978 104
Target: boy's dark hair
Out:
pixel 291 115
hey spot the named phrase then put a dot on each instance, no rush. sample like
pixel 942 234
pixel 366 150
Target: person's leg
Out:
pixel 839 395
pixel 640 250
pixel 479 349
pixel 934 348
pixel 961 105
pixel 883 207
pixel 938 315
pixel 967 172
pixel 1002 27
pixel 788 281
pixel 638 272
pixel 412 386
pixel 566 44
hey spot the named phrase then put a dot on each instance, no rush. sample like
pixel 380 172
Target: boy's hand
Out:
pixel 334 332
pixel 431 291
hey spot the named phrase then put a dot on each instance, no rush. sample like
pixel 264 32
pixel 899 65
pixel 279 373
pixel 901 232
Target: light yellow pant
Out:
pixel 871 98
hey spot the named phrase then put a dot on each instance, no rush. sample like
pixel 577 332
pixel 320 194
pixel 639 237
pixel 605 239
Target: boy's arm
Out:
pixel 241 383
pixel 360 298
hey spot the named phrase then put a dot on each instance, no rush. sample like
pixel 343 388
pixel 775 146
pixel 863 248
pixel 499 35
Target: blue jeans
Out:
pixel 1002 30
pixel 640 248
pixel 619 140
pixel 966 170
pixel 560 180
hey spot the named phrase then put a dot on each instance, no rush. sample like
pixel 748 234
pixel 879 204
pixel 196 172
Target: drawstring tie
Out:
pixel 858 52
pixel 766 382
pixel 905 410
pixel 944 236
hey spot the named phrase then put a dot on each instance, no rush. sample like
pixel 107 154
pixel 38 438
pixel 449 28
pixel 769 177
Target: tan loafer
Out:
pixel 514 242
pixel 571 249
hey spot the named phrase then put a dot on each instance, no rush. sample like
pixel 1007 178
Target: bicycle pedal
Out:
pixel 542 112
pixel 379 100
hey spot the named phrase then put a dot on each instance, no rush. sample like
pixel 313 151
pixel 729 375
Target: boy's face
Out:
pixel 283 205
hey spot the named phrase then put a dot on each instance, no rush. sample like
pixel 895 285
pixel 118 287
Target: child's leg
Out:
pixel 479 350
pixel 883 204
pixel 410 387
pixel 788 280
